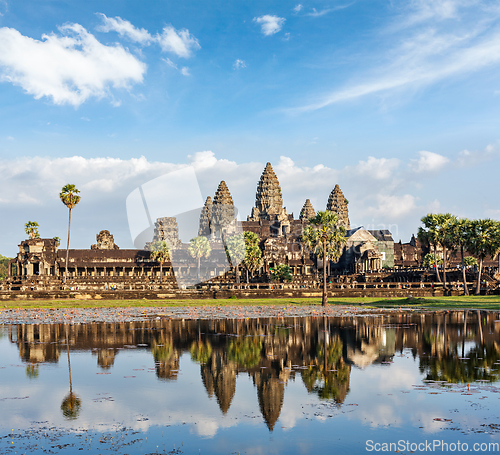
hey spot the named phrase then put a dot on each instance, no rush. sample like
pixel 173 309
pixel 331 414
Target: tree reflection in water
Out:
pixel 448 346
pixel 71 404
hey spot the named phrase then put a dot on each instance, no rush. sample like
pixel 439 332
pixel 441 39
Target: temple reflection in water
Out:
pixel 321 352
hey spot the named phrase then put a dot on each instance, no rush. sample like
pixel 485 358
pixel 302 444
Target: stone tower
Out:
pixel 223 208
pixel 337 203
pixel 206 218
pixel 307 211
pixel 268 200
pixel 166 228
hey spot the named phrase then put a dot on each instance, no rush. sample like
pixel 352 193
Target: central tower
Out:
pixel 268 200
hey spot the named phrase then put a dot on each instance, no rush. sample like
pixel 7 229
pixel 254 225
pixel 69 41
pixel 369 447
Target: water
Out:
pixel 254 386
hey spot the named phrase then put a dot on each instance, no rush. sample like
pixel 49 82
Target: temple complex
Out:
pixel 279 233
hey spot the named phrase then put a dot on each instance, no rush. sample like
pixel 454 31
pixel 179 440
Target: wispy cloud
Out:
pixel 124 28
pixel 270 24
pixel 426 53
pixel 180 42
pixel 239 64
pixel 184 70
pixel 316 13
pixel 298 8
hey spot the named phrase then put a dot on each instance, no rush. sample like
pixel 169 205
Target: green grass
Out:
pixel 480 302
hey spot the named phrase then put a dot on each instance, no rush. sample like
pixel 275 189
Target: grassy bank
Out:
pixel 472 302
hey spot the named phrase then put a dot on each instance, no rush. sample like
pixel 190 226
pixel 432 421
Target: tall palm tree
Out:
pixel 445 226
pixel 323 236
pixel 235 251
pixel 199 247
pixel 69 197
pixel 160 252
pixel 484 241
pixel 253 253
pixel 429 235
pixel 460 233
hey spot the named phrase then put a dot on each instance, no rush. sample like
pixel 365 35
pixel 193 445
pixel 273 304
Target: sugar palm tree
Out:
pixel 429 235
pixel 326 239
pixel 235 251
pixel 160 252
pixel 446 223
pixel 69 197
pixel 253 253
pixel 31 229
pixel 460 233
pixel 199 247
pixel 484 241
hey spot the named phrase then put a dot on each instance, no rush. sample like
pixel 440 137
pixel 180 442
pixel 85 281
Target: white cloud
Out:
pixel 270 24
pixel 69 68
pixel 394 207
pixel 428 162
pixel 239 64
pixel 124 28
pixel 377 168
pixel 179 42
pixel 298 8
pixel 467 158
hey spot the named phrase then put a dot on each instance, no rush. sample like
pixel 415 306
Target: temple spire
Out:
pixel 268 200
pixel 337 203
pixel 307 211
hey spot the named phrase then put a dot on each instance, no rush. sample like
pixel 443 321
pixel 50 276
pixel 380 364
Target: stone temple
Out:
pixel 279 234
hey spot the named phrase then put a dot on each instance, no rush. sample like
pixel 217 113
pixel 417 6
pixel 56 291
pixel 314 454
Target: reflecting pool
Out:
pixel 404 382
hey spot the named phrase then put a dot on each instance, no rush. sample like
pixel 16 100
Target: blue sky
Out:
pixel 397 101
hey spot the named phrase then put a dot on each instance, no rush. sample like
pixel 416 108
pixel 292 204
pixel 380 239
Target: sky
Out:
pixel 397 101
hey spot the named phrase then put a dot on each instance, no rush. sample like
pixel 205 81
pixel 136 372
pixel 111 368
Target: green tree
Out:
pixel 253 253
pixel 69 197
pixel 4 264
pixel 31 229
pixel 160 252
pixel 470 261
pixel 235 251
pixel 484 241
pixel 326 239
pixel 199 247
pixel 429 261
pixel 281 273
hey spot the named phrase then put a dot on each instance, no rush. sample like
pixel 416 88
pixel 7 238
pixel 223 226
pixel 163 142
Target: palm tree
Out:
pixel 69 197
pixel 445 228
pixel 160 252
pixel 484 241
pixel 460 234
pixel 199 247
pixel 235 251
pixel 429 235
pixel 323 236
pixel 31 229
pixel 253 253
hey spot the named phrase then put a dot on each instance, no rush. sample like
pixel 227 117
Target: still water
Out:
pixel 420 381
